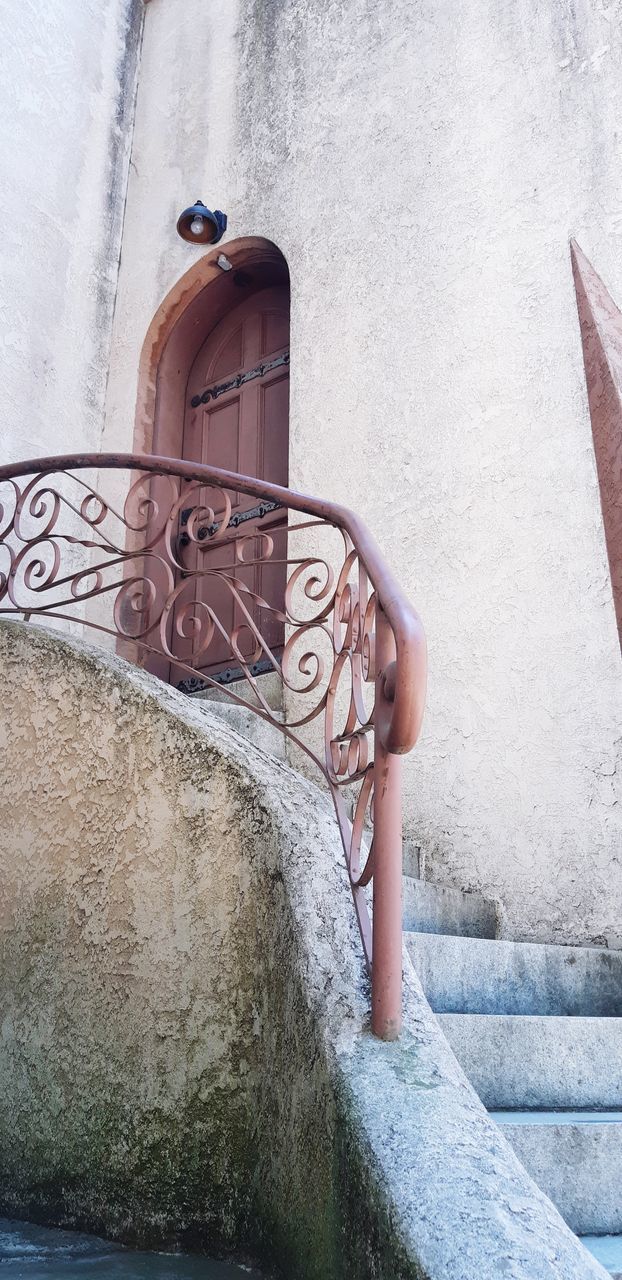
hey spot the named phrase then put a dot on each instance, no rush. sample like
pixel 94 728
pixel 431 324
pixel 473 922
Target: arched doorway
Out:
pixel 215 389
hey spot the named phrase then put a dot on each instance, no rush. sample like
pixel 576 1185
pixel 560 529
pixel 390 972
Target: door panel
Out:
pixel 244 428
pixel 274 331
pixel 273 433
pixel 227 360
pixel 220 434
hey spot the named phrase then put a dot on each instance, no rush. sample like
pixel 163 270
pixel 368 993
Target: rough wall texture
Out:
pixel 183 1043
pixel 67 89
pixel 422 167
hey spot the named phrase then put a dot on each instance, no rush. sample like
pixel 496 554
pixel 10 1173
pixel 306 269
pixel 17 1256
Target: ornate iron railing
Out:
pixel 193 576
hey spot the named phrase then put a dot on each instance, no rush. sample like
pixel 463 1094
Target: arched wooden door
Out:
pixel 237 417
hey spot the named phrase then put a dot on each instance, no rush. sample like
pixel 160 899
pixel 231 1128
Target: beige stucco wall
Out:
pixel 422 168
pixel 67 88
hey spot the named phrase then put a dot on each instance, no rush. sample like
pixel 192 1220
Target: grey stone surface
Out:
pixel 576 1161
pixel 251 726
pixel 538 1026
pixel 186 973
pixel 411 858
pixel 539 1061
pixel 608 1250
pixel 556 1117
pixel 477 975
pixel 435 908
pixel 269 685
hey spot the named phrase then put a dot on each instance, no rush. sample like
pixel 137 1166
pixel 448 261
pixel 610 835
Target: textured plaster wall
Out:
pixel 184 1049
pixel 67 86
pixel 422 168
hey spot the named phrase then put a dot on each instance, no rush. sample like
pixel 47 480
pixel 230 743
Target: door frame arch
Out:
pixel 182 322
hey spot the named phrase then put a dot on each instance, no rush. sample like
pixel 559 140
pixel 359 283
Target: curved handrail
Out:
pixel 395 655
pixel 404 684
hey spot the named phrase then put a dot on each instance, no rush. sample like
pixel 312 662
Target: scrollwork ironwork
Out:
pixel 65 545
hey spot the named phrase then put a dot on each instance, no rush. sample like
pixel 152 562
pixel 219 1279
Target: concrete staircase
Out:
pixel 538 1031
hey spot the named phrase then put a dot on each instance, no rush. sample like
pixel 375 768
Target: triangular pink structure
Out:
pixel 601 334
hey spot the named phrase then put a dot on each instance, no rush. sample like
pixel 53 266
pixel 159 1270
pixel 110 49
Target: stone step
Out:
pixel 575 1158
pixel 250 726
pixel 480 975
pixel 539 1061
pixel 608 1251
pixel 270 685
pixel 436 908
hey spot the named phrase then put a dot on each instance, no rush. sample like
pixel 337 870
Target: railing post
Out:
pixel 386 976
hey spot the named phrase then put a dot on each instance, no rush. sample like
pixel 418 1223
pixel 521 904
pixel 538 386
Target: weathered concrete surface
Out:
pixel 575 1158
pixel 270 686
pixel 253 728
pixel 184 1047
pixel 422 167
pixel 478 975
pixel 538 1061
pixel 608 1250
pixel 435 908
pixel 67 92
pixel 551 1082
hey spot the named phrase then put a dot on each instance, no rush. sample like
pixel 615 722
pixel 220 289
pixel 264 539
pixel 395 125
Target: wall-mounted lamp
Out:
pixel 199 225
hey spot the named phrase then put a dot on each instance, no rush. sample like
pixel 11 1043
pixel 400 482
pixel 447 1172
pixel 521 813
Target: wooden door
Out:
pixel 237 418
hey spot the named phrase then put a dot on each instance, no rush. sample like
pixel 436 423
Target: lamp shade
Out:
pixel 198 225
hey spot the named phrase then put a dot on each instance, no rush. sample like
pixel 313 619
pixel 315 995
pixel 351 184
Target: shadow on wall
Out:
pixel 601 335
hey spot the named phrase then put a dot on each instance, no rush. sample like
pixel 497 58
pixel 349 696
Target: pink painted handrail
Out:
pixel 158 585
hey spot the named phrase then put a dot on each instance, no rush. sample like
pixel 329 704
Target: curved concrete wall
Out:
pixel 422 168
pixel 183 1047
